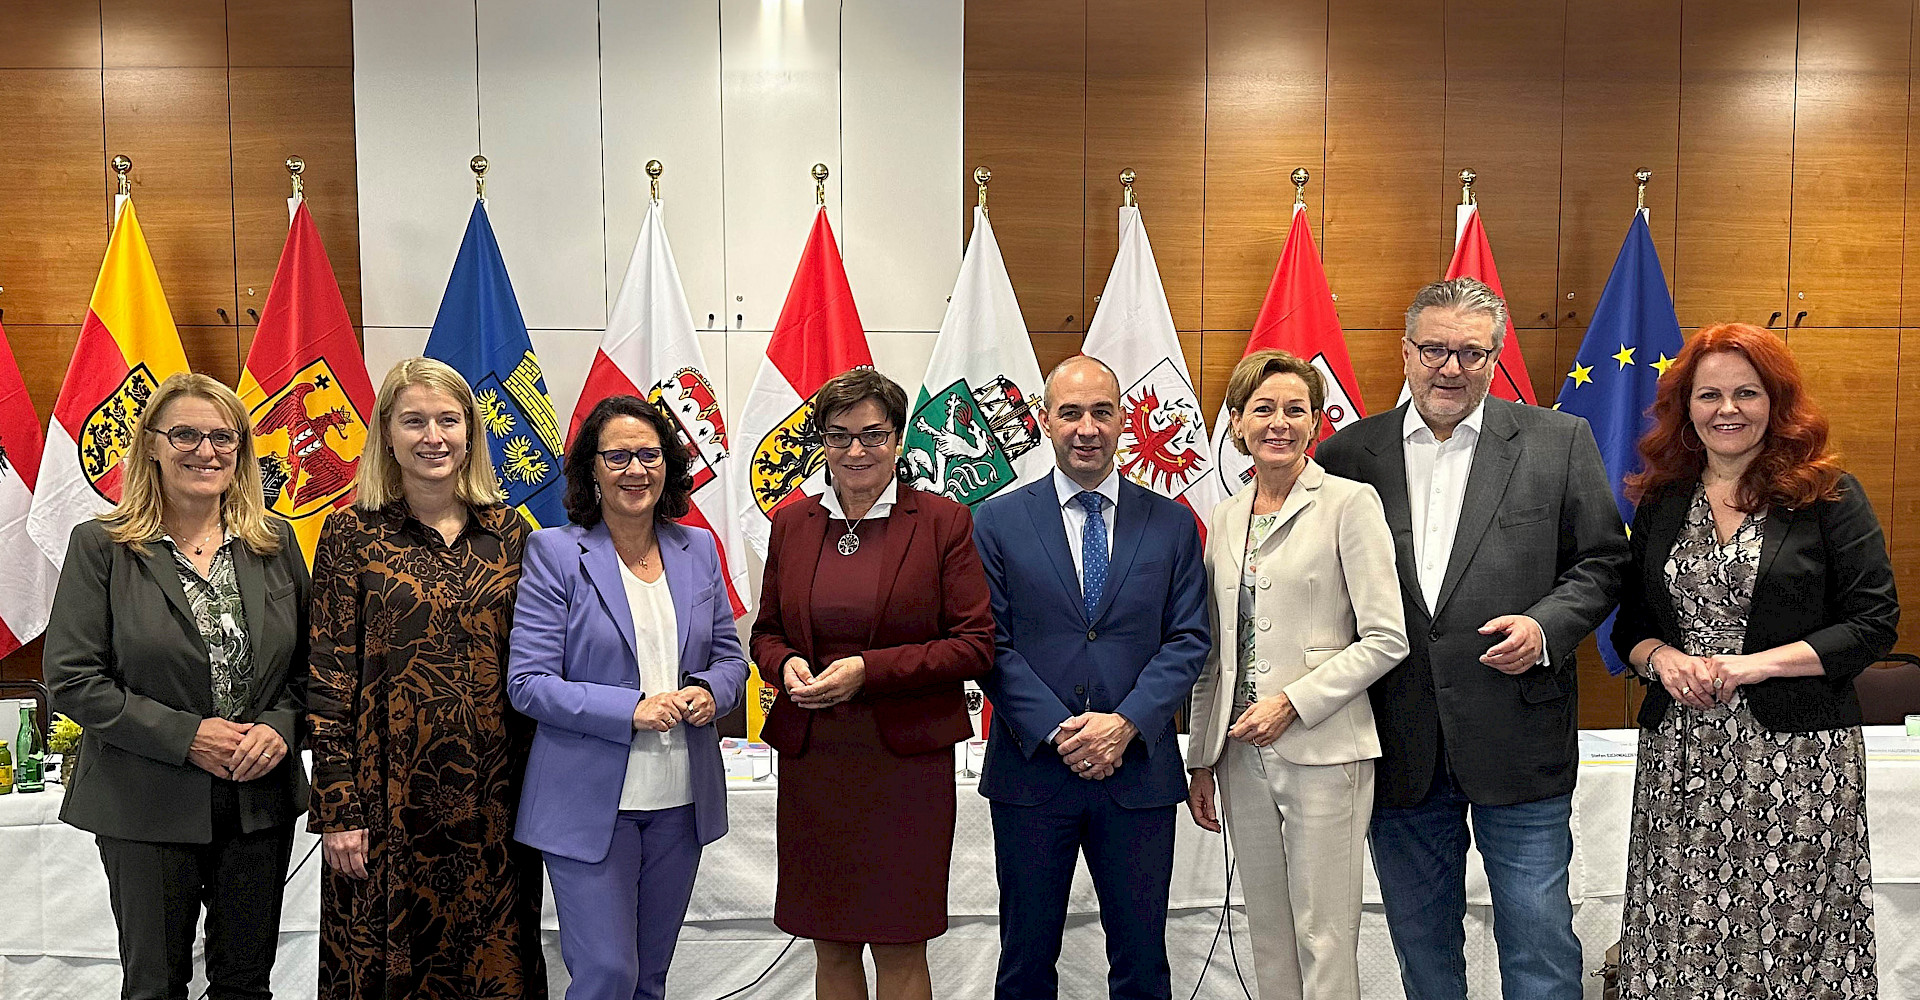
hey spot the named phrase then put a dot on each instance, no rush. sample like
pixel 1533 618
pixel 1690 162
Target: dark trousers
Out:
pixel 157 890
pixel 1130 856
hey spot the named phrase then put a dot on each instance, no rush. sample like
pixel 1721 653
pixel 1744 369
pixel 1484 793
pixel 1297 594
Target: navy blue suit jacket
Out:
pixel 1138 655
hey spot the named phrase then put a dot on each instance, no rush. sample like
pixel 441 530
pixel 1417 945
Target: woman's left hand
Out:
pixel 698 702
pixel 1264 721
pixel 1732 671
pixel 260 751
pixel 842 679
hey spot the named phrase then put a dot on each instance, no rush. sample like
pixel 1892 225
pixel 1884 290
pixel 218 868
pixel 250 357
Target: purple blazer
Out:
pixel 572 670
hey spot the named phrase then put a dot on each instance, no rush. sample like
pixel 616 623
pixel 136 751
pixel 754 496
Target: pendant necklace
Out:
pixel 850 542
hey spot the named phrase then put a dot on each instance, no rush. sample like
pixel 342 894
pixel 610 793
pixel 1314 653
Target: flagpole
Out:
pixel 819 173
pixel 121 166
pixel 1126 189
pixel 479 167
pixel 981 175
pixel 295 167
pixel 1466 186
pixel 1300 178
pixel 1640 178
pixel 654 169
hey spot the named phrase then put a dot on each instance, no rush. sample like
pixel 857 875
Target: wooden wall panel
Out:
pixel 213 350
pixel 1849 162
pixel 1905 525
pixel 42 35
pixel 43 353
pixel 141 34
pixel 277 113
pixel 1376 365
pixel 1147 62
pixel 1622 113
pixel 1386 169
pixel 53 215
pixel 1503 80
pixel 1026 78
pixel 173 124
pixel 1852 374
pixel 1736 160
pixel 290 33
pixel 1266 114
pixel 1219 352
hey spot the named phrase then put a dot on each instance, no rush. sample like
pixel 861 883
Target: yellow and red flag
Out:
pixel 305 384
pixel 127 347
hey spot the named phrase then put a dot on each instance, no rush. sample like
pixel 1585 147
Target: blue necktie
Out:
pixel 1093 550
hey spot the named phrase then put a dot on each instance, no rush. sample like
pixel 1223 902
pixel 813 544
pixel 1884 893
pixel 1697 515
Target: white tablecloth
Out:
pixel 57 933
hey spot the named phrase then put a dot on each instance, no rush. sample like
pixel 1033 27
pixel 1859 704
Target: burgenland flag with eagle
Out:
pixel 305 385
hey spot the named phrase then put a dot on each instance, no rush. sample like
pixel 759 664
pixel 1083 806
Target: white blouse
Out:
pixel 657 764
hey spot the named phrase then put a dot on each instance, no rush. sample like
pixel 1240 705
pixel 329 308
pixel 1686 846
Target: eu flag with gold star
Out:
pixel 1632 339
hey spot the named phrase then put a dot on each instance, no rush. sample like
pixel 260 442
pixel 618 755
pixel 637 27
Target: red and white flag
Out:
pixel 817 337
pixel 1164 444
pixel 651 349
pixel 1473 258
pixel 26 588
pixel 1298 317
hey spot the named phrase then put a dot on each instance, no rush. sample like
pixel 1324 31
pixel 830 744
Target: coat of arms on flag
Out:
pixel 785 458
pixel 689 399
pixel 963 441
pixel 1163 437
pixel 518 416
pixel 301 434
pixel 108 431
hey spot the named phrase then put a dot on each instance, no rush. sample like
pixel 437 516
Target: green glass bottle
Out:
pixel 6 768
pixel 26 776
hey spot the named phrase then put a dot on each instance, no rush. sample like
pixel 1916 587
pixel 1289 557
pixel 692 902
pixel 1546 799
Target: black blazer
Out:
pixel 125 661
pixel 1824 577
pixel 1539 535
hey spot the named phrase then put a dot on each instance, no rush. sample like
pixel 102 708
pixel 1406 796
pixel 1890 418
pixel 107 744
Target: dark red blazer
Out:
pixel 934 629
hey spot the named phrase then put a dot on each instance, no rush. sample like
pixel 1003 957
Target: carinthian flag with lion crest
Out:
pixel 305 385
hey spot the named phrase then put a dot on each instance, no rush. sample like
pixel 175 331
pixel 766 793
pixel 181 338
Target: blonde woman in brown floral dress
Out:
pixel 1760 587
pixel 417 756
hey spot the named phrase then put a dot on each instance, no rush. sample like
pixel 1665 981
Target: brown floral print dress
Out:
pixel 1747 872
pixel 413 741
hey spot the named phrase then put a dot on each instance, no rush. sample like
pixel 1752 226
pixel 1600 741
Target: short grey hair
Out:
pixel 1468 295
pixel 1046 391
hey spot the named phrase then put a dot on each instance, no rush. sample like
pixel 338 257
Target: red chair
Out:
pixel 1889 690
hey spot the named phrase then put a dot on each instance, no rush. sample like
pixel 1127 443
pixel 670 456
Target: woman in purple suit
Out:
pixel 624 651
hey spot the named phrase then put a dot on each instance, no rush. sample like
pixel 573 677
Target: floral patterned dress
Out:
pixel 413 741
pixel 1748 869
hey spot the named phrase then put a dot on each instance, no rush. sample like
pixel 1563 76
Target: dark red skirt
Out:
pixel 865 835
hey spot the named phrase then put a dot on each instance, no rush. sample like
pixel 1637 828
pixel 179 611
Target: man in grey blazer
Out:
pixel 1509 550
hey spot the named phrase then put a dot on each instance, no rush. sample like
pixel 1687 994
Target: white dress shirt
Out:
pixel 831 500
pixel 658 768
pixel 1075 515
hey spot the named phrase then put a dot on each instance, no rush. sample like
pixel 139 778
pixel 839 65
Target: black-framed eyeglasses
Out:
pixel 619 458
pixel 185 438
pixel 838 440
pixel 1472 359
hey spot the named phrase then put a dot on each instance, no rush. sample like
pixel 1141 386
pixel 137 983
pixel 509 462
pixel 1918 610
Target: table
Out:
pixel 57 933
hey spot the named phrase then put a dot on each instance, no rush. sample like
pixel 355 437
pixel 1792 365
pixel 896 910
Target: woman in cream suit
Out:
pixel 1306 614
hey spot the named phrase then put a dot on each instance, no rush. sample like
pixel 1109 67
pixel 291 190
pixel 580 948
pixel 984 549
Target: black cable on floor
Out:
pixel 763 972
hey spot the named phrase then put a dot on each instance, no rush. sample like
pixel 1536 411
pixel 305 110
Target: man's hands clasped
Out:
pixel 1092 742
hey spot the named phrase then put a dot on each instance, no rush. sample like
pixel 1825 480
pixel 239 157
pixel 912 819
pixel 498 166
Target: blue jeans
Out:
pixel 1420 854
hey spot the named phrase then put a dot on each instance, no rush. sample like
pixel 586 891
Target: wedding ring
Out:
pixel 1717 681
pixel 1686 690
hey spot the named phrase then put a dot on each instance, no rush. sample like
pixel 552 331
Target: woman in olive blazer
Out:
pixel 178 640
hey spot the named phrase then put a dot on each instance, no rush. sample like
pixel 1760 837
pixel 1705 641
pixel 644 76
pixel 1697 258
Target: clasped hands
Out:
pixel 1699 682
pixel 237 751
pixel 1091 743
pixel 842 679
pixel 692 705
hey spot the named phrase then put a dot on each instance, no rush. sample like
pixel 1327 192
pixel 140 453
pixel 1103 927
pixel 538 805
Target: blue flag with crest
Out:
pixel 1631 340
pixel 480 332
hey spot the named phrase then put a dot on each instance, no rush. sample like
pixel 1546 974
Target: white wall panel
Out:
pixel 540 128
pixel 383 346
pixel 780 114
pixel 415 126
pixel 903 357
pixel 901 91
pixel 660 100
pixel 565 356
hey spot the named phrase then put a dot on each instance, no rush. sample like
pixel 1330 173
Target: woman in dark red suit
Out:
pixel 873 611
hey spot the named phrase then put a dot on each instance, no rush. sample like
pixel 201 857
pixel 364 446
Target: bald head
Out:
pixel 1080 411
pixel 1080 367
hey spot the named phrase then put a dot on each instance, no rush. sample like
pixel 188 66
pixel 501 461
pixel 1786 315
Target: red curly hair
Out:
pixel 1795 467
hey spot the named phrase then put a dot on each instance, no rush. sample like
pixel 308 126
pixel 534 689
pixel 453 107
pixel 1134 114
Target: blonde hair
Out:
pixel 1261 365
pixel 137 520
pixel 379 480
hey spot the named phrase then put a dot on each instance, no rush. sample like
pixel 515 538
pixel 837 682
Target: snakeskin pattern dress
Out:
pixel 1748 870
pixel 413 741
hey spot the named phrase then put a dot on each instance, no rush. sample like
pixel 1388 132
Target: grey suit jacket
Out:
pixel 1539 535
pixel 125 661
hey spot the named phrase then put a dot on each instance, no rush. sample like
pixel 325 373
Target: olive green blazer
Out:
pixel 125 661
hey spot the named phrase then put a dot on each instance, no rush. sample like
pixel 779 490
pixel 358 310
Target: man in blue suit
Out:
pixel 1100 605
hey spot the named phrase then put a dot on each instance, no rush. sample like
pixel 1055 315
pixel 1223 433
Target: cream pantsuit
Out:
pixel 1326 622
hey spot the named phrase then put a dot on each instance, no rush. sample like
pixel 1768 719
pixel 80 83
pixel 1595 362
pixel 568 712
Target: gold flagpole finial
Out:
pixel 1640 178
pixel 1300 178
pixel 981 175
pixel 654 169
pixel 820 173
pixel 1126 189
pixel 295 167
pixel 121 165
pixel 479 167
pixel 1466 186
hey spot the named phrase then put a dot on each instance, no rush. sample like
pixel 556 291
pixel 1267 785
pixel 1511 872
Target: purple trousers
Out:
pixel 620 917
